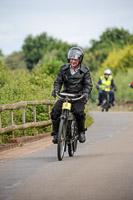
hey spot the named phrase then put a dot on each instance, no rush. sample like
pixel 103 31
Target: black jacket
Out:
pixel 80 82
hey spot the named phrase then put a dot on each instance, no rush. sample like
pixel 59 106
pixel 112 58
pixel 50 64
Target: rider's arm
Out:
pixel 59 81
pixel 87 82
pixel 113 85
pixel 98 84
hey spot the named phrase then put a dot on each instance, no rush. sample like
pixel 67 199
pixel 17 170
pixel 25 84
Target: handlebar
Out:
pixel 69 96
pixel 105 86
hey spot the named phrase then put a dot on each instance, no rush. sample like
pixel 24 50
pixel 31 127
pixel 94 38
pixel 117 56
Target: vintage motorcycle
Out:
pixel 68 130
pixel 106 105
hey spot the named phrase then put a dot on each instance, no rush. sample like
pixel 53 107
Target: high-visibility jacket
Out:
pixel 105 82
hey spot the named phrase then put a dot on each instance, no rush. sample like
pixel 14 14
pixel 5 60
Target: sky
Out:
pixel 72 21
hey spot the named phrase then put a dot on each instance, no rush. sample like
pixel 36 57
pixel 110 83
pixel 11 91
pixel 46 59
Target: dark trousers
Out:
pixel 77 109
pixel 111 96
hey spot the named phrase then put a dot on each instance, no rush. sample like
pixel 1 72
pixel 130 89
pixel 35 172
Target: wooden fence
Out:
pixel 123 102
pixel 24 125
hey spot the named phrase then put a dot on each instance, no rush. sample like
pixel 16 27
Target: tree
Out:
pixel 119 61
pixel 35 48
pixel 114 38
pixel 16 61
pixel 1 54
pixel 1 57
pixel 49 66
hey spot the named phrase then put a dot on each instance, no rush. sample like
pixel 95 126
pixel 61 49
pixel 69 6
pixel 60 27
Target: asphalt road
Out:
pixel 101 169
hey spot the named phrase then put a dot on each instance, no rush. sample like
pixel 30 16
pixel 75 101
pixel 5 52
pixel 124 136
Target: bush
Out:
pixel 20 85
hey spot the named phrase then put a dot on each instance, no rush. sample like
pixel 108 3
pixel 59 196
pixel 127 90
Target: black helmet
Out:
pixel 76 53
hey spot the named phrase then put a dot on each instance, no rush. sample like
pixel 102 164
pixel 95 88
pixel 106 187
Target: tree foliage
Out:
pixel 111 39
pixel 35 48
pixel 16 61
pixel 49 66
pixel 3 73
pixel 1 54
pixel 20 85
pixel 119 60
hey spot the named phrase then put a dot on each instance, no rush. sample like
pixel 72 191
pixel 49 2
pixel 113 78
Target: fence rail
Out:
pixel 123 102
pixel 24 125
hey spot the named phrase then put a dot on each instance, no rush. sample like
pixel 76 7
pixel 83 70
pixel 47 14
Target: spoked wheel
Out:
pixel 61 139
pixel 70 149
pixel 75 143
pixel 107 105
pixel 103 106
pixel 72 146
pixel 107 109
pixel 102 109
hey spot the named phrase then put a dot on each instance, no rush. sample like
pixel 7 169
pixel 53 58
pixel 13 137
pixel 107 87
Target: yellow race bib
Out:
pixel 66 105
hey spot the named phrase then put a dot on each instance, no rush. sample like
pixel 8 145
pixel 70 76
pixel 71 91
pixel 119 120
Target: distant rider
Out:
pixel 106 80
pixel 75 79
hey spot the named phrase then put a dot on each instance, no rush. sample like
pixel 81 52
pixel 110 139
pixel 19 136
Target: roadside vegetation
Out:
pixel 29 75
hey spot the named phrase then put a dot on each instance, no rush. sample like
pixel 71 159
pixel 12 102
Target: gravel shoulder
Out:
pixel 26 148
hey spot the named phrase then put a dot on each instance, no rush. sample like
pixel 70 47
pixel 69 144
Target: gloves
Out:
pixel 85 97
pixel 54 93
pixel 101 87
pixel 97 86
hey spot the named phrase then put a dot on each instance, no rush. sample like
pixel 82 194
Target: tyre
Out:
pixel 103 104
pixel 76 135
pixel 75 144
pixel 72 146
pixel 70 149
pixel 107 105
pixel 61 139
pixel 70 138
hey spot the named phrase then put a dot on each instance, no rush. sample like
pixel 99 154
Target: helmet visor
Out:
pixel 75 54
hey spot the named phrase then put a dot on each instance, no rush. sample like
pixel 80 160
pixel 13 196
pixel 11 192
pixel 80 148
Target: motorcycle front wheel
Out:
pixel 61 139
pixel 72 146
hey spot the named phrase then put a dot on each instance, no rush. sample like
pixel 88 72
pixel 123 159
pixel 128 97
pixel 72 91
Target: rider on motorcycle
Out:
pixel 75 78
pixel 106 80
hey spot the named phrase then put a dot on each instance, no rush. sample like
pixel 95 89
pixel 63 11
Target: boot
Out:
pixel 99 103
pixel 55 139
pixel 82 137
pixel 81 130
pixel 55 130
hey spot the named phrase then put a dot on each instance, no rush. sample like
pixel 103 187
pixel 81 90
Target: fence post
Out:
pixel 11 128
pixel 23 118
pixel 11 120
pixel 48 110
pixel 34 113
